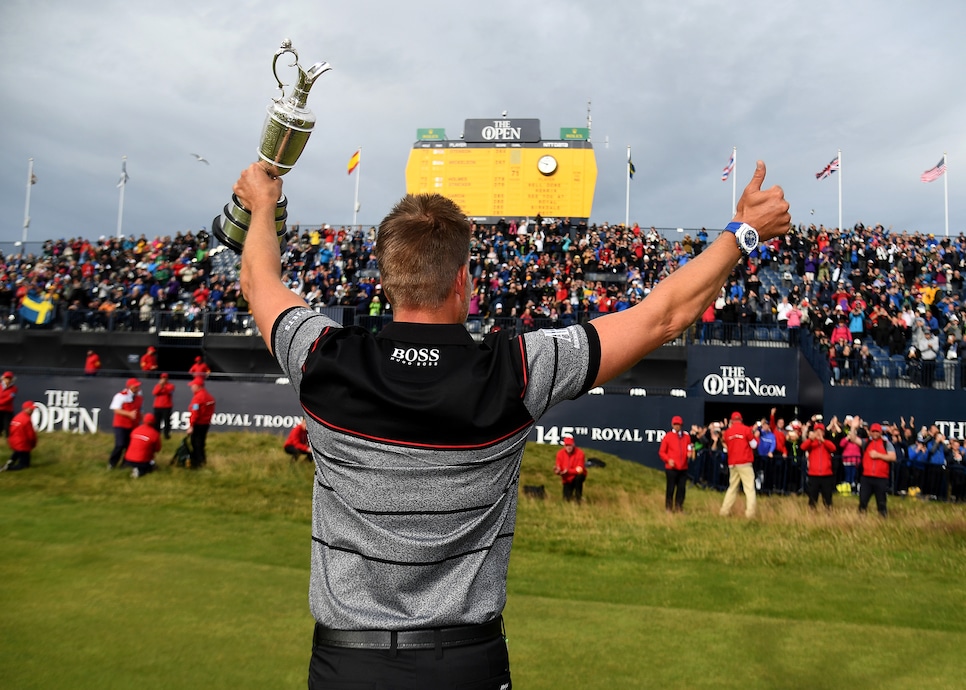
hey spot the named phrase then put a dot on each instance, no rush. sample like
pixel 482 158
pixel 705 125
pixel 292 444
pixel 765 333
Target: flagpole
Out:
pixel 26 210
pixel 355 205
pixel 734 181
pixel 627 195
pixel 946 190
pixel 120 203
pixel 840 189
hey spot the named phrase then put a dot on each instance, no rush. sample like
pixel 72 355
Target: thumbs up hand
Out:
pixel 765 210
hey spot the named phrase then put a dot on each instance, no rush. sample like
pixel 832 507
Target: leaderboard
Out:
pixel 503 168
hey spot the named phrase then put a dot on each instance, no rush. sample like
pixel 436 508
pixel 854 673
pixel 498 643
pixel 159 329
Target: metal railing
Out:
pixel 885 372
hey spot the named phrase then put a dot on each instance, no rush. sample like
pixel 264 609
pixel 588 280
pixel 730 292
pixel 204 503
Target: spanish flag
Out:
pixel 354 161
pixel 37 309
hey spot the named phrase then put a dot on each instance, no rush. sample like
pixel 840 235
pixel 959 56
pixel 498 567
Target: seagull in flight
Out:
pixel 201 159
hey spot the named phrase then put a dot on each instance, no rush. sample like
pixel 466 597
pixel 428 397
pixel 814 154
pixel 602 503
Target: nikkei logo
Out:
pixel 416 356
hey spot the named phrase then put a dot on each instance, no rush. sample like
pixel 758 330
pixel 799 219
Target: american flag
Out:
pixel 828 169
pixel 728 169
pixel 934 173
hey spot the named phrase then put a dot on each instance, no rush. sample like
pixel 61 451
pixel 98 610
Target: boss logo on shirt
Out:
pixel 416 356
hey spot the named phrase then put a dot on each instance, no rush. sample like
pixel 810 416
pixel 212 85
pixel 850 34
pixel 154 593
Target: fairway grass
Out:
pixel 198 579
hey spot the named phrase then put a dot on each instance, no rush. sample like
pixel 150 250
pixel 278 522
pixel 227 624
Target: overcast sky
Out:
pixel 85 83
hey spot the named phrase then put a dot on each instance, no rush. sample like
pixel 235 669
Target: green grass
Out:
pixel 199 580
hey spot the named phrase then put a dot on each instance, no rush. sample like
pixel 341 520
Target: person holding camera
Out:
pixel 700 441
pixel 851 456
pixel 716 456
pixel 878 454
pixel 936 449
pixel 821 478
pixel 767 445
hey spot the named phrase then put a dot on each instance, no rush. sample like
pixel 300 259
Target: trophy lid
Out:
pixel 305 79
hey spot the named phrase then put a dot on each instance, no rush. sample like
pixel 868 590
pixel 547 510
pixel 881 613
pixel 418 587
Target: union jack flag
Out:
pixel 828 169
pixel 728 169
pixel 934 173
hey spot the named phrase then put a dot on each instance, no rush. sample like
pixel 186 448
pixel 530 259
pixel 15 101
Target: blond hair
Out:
pixel 421 246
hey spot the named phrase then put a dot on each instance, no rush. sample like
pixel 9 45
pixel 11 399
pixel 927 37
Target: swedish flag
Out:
pixel 630 168
pixel 37 309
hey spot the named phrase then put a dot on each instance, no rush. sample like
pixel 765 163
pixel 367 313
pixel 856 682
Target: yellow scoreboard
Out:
pixel 506 171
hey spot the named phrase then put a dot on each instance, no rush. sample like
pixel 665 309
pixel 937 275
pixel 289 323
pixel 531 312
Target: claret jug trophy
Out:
pixel 287 128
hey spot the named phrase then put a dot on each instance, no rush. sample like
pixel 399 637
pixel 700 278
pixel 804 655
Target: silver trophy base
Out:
pixel 231 227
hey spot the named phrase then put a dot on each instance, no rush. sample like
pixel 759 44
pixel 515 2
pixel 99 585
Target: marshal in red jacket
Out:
pixel 675 450
pixel 22 437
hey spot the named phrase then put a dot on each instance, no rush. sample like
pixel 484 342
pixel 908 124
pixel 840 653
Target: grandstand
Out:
pixel 887 290
pixel 136 291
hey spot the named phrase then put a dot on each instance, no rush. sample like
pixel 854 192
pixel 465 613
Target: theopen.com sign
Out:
pixel 732 381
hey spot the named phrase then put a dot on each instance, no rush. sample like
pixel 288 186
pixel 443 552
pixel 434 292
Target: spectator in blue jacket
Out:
pixel 935 464
pixel 918 457
pixel 766 454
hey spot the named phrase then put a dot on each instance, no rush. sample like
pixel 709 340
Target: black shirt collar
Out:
pixel 435 333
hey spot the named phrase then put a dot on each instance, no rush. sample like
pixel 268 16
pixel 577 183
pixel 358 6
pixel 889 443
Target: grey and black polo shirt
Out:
pixel 418 434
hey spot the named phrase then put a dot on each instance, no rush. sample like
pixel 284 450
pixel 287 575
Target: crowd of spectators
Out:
pixel 846 290
pixel 928 464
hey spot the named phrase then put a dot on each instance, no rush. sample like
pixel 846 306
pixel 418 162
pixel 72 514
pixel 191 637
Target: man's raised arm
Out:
pixel 261 265
pixel 675 303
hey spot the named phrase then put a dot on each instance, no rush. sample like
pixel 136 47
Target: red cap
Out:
pixel 197 381
pixel 132 382
pixel 876 427
pixel 151 349
pixel 736 415
pixel 198 358
pixel 149 418
pixel 8 374
pixel 164 374
pixel 676 420
pixel 819 425
pixel 568 440
pixel 29 405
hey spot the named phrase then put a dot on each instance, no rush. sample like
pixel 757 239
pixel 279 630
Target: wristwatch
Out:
pixel 746 236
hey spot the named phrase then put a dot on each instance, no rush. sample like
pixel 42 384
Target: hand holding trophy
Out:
pixel 287 128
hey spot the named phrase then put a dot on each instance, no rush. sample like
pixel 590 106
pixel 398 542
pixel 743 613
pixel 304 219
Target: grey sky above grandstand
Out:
pixel 84 84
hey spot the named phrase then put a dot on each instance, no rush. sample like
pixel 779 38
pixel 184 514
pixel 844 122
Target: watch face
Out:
pixel 547 165
pixel 747 238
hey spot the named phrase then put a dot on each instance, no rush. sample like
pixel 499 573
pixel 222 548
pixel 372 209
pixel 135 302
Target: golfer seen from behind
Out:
pixel 418 432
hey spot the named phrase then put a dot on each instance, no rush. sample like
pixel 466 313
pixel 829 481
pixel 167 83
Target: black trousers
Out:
pixel 20 460
pixel 199 434
pixel 162 417
pixel 928 372
pixel 5 418
pixel 482 666
pixel 296 453
pixel 677 484
pixel 873 485
pixel 935 484
pixel 573 491
pixel 824 485
pixel 122 439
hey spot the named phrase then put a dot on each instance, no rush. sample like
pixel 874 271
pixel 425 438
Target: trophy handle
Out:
pixel 286 47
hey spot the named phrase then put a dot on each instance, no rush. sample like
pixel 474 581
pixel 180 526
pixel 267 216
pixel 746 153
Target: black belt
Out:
pixel 429 638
